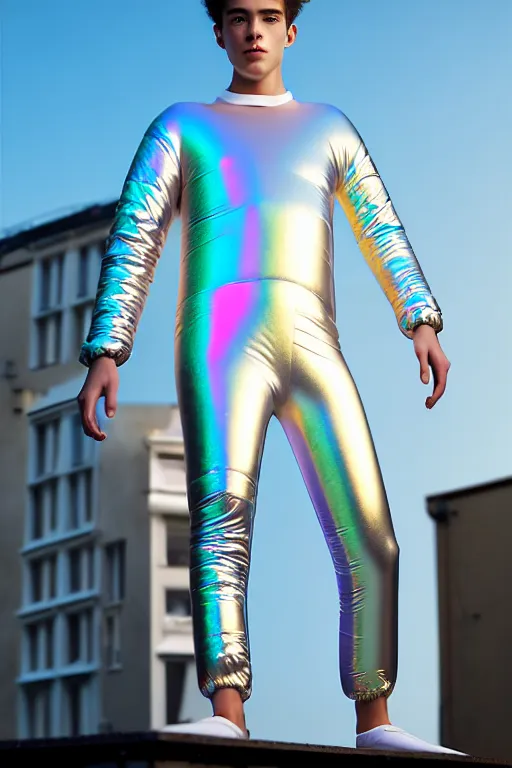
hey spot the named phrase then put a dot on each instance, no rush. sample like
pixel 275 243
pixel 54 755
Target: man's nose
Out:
pixel 254 33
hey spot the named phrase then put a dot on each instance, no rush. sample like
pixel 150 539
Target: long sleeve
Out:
pixel 380 234
pixel 149 201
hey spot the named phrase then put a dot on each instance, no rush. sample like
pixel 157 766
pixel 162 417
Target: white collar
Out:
pixel 254 100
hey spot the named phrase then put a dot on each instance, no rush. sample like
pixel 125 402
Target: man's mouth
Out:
pixel 255 49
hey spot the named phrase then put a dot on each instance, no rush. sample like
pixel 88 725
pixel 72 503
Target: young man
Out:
pixel 254 177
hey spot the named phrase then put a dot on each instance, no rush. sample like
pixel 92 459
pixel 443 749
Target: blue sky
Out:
pixel 427 85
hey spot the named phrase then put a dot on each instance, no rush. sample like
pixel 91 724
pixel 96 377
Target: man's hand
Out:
pixel 102 379
pixel 429 353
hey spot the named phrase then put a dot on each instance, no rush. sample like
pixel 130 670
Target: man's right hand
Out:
pixel 102 380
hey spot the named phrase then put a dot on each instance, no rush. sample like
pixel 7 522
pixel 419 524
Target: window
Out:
pixel 80 645
pixel 169 471
pixel 89 263
pixel 82 322
pixel 177 603
pixel 81 572
pixel 178 542
pixel 83 272
pixel 113 640
pixel 78 704
pixel 48 321
pixel 47 447
pixel 49 339
pixel 38 703
pixel 39 639
pixel 36 580
pixel 43 509
pixel 33 647
pixel 51 280
pixel 75 568
pixel 79 442
pixel 42 580
pixel 174 683
pixel 79 499
pixel 80 480
pixel 115 555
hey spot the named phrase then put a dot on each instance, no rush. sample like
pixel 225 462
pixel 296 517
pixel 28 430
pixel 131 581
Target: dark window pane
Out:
pixel 88 619
pixel 38 700
pixel 36 580
pixel 60 278
pixel 89 555
pixel 37 513
pixel 177 603
pixel 75 580
pixel 54 491
pixel 49 644
pixel 52 577
pixel 88 496
pixel 58 339
pixel 174 682
pixel 82 288
pixel 32 637
pixel 178 543
pixel 73 638
pixel 45 286
pixel 74 515
pixel 75 706
pixel 40 448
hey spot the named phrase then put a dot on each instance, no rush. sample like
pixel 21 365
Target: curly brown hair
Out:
pixel 214 10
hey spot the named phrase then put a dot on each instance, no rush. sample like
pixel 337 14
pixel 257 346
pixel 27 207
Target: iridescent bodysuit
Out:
pixel 255 337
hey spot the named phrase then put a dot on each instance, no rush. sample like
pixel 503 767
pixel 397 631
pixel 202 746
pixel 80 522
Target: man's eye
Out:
pixel 272 18
pixel 238 19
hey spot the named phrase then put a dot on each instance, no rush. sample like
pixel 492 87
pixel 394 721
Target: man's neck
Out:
pixel 272 85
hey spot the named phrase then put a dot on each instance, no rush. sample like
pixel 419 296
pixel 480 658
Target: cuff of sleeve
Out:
pixel 429 315
pixel 90 351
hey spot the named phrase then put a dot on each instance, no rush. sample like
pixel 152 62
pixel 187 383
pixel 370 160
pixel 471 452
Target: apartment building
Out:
pixel 93 544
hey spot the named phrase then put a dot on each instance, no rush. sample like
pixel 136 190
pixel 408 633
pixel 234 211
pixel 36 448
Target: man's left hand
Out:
pixel 430 355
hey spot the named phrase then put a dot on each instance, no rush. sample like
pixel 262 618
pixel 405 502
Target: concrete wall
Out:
pixel 474 535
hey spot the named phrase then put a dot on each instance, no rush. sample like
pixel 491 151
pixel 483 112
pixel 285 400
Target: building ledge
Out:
pixel 152 749
pixel 168 502
pixel 176 644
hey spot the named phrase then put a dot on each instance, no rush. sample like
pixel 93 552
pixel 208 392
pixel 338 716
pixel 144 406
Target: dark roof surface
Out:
pixel 29 234
pixel 470 490
pixel 150 749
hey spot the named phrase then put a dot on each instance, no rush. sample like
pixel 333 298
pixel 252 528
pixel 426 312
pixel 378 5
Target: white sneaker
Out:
pixel 216 726
pixel 391 738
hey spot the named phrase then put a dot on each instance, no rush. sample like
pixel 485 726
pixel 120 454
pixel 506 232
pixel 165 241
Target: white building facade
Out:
pixel 94 538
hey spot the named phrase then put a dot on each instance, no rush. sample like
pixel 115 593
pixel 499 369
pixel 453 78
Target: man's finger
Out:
pixel 440 376
pixel 111 400
pixel 89 420
pixel 424 367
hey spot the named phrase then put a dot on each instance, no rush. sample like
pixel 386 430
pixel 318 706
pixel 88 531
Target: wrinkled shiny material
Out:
pixel 256 337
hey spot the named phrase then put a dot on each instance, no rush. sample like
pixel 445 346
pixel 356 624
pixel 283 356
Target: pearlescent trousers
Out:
pixel 243 353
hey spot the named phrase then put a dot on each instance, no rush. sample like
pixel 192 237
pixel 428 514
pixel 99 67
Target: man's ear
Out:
pixel 218 36
pixel 291 36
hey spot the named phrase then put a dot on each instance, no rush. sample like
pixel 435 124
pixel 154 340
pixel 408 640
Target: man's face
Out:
pixel 254 34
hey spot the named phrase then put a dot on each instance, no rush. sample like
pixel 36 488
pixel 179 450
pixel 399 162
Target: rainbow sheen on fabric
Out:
pixel 255 189
pixel 256 337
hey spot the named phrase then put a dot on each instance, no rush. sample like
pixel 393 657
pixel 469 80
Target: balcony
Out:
pixel 177 637
pixel 167 484
pixel 177 625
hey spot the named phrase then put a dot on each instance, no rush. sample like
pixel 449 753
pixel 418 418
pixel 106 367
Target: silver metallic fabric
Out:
pixel 256 337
